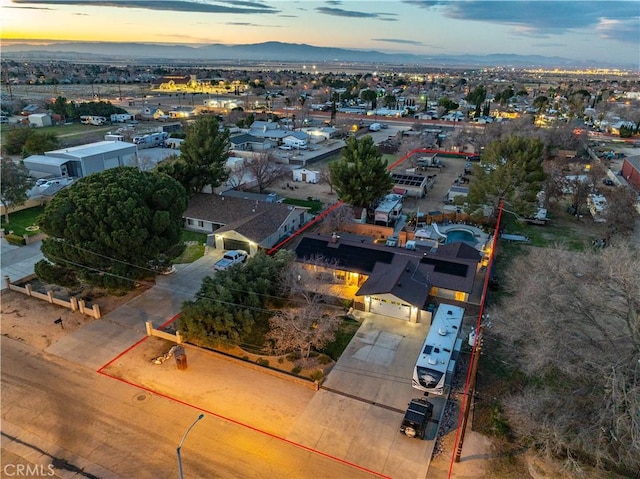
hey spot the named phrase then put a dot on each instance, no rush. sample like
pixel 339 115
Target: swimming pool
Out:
pixel 455 236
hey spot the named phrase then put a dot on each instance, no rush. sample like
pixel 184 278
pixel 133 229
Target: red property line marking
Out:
pixel 224 418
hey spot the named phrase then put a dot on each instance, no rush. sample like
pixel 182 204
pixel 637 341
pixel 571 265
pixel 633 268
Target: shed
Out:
pixel 40 119
pixel 306 176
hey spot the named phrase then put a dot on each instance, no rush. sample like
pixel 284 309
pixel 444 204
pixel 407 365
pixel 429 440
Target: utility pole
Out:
pixel 470 393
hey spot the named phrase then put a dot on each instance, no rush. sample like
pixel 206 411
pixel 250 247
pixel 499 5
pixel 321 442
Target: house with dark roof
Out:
pixel 246 142
pixel 239 223
pixel 392 281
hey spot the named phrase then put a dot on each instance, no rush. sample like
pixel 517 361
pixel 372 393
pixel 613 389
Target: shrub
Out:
pixel 280 360
pixel 316 375
pixel 296 369
pixel 262 362
pixel 245 358
pixel 293 357
pixel 15 239
pixel 324 359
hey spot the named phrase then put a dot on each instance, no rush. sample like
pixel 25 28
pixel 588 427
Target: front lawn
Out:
pixel 19 221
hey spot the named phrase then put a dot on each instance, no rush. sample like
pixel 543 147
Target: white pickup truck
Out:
pixel 230 258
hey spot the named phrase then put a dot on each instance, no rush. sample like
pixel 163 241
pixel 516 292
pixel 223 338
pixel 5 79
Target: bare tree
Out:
pixel 325 177
pixel 302 329
pixel 265 170
pixel 621 212
pixel 337 218
pixel 311 324
pixel 573 328
pixel 237 174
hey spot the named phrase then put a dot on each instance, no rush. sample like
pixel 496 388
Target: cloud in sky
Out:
pixel 544 18
pixel 339 12
pixel 398 40
pixel 215 6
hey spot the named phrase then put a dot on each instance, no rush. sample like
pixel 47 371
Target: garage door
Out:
pixel 390 308
pixel 230 243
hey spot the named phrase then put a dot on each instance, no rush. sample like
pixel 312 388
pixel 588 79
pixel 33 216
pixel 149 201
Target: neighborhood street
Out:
pixel 91 426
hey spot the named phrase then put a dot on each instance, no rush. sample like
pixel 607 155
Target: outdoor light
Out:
pixel 182 442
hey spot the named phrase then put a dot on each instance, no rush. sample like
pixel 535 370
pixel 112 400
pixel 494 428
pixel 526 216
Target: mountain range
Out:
pixel 268 52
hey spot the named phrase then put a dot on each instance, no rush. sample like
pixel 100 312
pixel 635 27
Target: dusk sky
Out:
pixel 604 31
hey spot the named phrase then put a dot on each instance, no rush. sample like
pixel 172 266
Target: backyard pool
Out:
pixel 455 236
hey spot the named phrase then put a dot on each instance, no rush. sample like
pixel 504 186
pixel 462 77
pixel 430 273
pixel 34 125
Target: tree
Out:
pixel 38 142
pixel 337 218
pixel 360 177
pixel 309 325
pixel 232 302
pixel 108 228
pixel 27 141
pixel 573 329
pixel 477 96
pixel 369 96
pixel 325 177
pixel 14 184
pixel 511 169
pixel 265 170
pixel 621 213
pixel 203 156
pixel 448 104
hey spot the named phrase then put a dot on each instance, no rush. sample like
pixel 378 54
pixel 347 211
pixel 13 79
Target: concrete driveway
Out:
pixel 358 411
pixel 17 261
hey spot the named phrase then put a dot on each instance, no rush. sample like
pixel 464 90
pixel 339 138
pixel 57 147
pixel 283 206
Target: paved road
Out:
pixel 93 426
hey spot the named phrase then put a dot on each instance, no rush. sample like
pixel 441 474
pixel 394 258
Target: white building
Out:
pixel 306 176
pixel 80 161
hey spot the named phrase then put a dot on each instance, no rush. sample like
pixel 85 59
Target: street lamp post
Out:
pixel 182 442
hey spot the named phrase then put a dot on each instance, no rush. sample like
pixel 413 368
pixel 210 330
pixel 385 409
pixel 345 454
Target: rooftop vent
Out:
pixel 442 331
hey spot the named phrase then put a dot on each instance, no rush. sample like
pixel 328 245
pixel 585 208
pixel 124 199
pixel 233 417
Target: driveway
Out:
pixel 17 261
pixel 358 411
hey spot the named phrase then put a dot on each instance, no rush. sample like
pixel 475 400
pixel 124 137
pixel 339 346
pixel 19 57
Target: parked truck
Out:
pixel 229 259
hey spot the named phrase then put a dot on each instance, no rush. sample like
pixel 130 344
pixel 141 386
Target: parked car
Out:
pixel 416 418
pixel 230 258
pixel 285 147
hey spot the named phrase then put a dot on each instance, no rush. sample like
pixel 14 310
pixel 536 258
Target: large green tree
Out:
pixel 233 302
pixel 14 184
pixel 29 141
pixel 360 177
pixel 511 169
pixel 203 156
pixel 108 228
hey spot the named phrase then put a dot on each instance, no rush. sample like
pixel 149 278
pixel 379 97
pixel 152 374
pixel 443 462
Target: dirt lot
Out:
pixel 434 200
pixel 31 320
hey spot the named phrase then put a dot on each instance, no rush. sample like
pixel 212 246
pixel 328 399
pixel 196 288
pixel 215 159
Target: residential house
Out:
pixel 393 282
pixel 183 112
pixel 239 223
pixel 296 139
pixel 268 129
pixel 247 142
pixel 150 113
